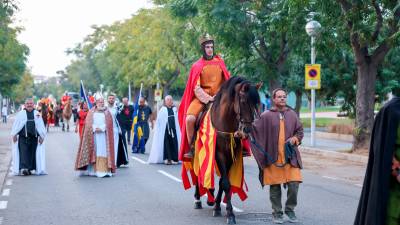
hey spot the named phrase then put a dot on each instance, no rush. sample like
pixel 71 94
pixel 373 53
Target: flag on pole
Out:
pixel 84 96
pixel 129 93
pixel 137 133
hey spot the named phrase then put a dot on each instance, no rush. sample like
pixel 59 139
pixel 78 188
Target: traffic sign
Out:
pixel 313 76
pixel 158 95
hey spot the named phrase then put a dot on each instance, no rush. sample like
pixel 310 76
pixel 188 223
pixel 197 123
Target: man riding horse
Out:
pixel 205 79
pixel 64 99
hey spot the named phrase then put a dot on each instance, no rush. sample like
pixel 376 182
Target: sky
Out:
pixel 52 26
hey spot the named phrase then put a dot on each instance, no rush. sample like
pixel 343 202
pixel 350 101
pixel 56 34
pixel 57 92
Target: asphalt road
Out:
pixel 153 194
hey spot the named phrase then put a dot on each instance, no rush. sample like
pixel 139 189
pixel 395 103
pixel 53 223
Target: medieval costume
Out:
pixel 166 137
pixel 125 121
pixel 120 147
pixel 143 115
pixel 205 79
pixel 96 155
pixel 27 153
pixel 64 99
pixel 278 160
pixel 380 196
pixel 81 121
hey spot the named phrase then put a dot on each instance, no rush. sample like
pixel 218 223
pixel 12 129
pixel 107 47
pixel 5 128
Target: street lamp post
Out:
pixel 101 88
pixel 312 29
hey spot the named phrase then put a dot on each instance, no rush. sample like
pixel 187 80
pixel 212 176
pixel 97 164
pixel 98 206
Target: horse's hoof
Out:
pixel 217 213
pixel 210 203
pixel 231 220
pixel 197 204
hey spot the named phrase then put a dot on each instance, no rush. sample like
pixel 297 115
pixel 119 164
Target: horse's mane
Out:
pixel 229 88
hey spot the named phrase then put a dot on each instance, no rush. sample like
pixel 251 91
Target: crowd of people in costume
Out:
pixel 105 129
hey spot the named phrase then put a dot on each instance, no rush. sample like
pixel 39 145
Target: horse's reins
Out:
pixel 231 134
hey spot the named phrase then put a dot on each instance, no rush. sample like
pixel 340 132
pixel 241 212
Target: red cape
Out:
pixel 188 96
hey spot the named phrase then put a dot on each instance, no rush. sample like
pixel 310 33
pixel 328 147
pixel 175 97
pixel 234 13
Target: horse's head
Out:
pixel 246 104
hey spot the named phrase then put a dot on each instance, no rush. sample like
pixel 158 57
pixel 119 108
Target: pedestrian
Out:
pixel 125 119
pixel 121 154
pixel 278 133
pixel 380 197
pixel 4 113
pixel 267 102
pixel 95 155
pixel 28 149
pixel 144 117
pixel 167 135
pixel 205 79
pixel 80 123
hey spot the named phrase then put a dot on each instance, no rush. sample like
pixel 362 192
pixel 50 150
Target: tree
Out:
pixel 373 28
pixel 24 89
pixel 12 53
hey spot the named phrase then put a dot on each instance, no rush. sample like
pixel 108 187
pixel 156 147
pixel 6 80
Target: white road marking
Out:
pixel 9 182
pixel 1 220
pixel 234 208
pixel 170 176
pixel 139 160
pixel 6 192
pixel 331 178
pixel 3 204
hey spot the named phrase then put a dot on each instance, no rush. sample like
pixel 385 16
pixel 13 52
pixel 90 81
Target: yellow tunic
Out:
pixel 211 79
pixel 274 174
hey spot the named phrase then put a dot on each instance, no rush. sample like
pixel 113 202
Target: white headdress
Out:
pixel 98 96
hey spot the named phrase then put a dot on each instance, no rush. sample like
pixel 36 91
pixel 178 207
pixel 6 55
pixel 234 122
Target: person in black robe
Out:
pixel 378 183
pixel 170 139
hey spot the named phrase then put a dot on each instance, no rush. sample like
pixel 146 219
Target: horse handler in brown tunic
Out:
pixel 275 138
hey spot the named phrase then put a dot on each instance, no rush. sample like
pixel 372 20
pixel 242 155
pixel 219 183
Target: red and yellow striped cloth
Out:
pixel 203 166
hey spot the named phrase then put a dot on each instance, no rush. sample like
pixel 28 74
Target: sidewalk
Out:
pixel 5 150
pixel 331 148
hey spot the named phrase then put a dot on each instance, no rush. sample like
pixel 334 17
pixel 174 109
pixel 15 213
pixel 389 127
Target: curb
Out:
pixel 334 136
pixel 5 151
pixel 337 155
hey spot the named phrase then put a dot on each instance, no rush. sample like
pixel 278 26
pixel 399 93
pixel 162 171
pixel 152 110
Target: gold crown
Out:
pixel 205 38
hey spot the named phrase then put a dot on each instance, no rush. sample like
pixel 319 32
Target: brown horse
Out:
pixel 233 111
pixel 67 114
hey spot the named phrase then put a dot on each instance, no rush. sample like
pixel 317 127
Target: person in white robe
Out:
pixel 28 147
pixel 96 155
pixel 166 138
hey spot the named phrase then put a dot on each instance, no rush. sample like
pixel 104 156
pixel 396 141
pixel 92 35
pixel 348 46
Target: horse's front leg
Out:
pixel 224 164
pixel 230 217
pixel 197 201
pixel 217 207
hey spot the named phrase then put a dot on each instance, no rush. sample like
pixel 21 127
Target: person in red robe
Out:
pixel 80 122
pixel 205 79
pixel 64 99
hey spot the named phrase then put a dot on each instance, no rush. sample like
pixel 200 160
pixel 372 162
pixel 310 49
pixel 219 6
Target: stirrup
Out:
pixel 189 155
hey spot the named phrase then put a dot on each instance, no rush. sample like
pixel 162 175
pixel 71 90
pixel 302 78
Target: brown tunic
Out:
pixel 210 80
pixel 271 134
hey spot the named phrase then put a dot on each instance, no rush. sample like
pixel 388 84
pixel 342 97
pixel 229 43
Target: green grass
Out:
pixel 324 122
pixel 321 109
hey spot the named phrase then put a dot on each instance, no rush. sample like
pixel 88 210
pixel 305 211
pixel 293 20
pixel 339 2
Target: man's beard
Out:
pixel 207 57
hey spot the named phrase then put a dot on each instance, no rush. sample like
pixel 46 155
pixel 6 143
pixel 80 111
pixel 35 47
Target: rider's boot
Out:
pixel 190 123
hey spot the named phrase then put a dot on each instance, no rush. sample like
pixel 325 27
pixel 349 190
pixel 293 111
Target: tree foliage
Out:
pixel 12 53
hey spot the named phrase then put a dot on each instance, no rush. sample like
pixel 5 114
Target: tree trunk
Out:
pixel 365 100
pixel 298 101
pixel 274 84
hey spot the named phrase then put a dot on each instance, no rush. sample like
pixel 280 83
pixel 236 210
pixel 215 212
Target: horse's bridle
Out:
pixel 239 117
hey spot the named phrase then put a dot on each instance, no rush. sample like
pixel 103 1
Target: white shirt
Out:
pixel 4 111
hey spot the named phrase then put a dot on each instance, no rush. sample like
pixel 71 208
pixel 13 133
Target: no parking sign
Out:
pixel 313 76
